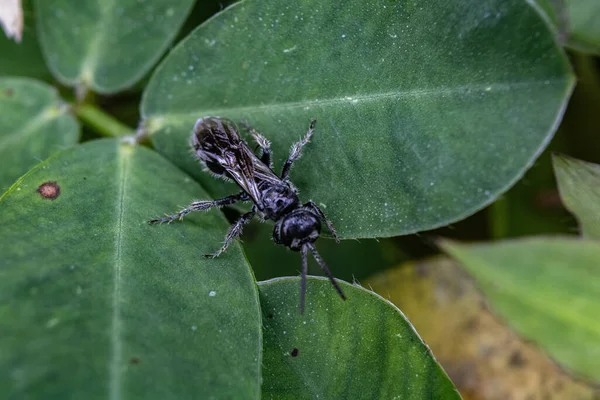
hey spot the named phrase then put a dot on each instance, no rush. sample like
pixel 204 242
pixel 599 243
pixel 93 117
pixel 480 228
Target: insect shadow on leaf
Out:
pixel 218 145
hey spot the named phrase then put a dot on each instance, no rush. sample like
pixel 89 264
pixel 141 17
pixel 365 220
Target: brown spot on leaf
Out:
pixel 9 92
pixel 295 352
pixel 270 316
pixel 49 190
pixel 134 360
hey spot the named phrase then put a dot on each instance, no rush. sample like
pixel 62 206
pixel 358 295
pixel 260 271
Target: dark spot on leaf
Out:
pixel 84 178
pixel 295 352
pixel 270 316
pixel 9 92
pixel 49 190
pixel 134 360
pixel 516 359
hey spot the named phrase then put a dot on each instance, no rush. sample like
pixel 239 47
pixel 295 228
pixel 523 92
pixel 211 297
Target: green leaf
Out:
pixel 545 289
pixel 577 22
pixel 107 45
pixel 24 58
pixel 579 185
pixel 362 348
pixel 34 123
pixel 96 303
pixel 426 112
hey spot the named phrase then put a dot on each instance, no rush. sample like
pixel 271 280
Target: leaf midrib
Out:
pixel 115 340
pixel 46 115
pixel 158 120
pixel 88 65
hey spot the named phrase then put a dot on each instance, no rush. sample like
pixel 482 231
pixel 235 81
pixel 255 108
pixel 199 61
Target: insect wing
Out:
pixel 242 172
pixel 263 173
pixel 218 144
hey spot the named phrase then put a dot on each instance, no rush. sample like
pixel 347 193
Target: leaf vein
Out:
pixel 157 121
pixel 46 115
pixel 90 61
pixel 116 344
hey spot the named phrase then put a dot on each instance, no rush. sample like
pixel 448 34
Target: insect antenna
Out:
pixel 303 277
pixel 323 266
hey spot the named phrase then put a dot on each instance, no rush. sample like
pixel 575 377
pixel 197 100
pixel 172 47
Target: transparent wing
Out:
pixel 263 173
pixel 240 167
pixel 218 144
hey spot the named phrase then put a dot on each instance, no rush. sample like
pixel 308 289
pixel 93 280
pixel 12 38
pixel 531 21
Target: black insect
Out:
pixel 220 148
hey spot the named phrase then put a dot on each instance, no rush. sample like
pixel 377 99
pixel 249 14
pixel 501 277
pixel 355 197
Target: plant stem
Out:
pixel 498 218
pixel 101 122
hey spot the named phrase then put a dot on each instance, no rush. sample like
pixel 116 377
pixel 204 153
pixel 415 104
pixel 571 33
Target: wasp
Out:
pixel 217 144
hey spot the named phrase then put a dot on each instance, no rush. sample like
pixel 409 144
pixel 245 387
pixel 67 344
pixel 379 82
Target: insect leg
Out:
pixel 303 278
pixel 296 150
pixel 323 266
pixel 234 231
pixel 262 142
pixel 321 215
pixel 201 206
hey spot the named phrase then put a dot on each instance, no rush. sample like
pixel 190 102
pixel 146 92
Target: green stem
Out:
pixel 498 218
pixel 101 122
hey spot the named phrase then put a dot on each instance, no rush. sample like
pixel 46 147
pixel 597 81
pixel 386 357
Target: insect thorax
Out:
pixel 278 200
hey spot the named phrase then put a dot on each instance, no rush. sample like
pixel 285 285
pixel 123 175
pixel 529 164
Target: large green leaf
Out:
pixel 24 58
pixel 96 303
pixel 34 123
pixel 362 348
pixel 106 45
pixel 426 111
pixel 546 289
pixel 579 184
